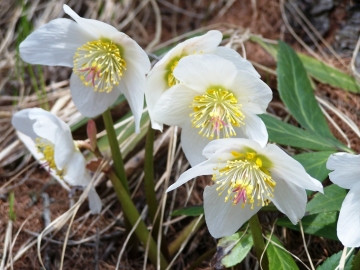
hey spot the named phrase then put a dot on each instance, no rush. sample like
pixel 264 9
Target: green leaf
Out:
pixel 322 224
pixel 333 261
pixel 231 250
pixel 190 211
pixel 326 74
pixel 331 200
pixel 286 134
pixel 279 258
pixel 317 69
pixel 356 261
pixel 297 94
pixel 315 163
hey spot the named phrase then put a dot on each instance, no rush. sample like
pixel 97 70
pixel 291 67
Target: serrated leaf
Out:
pixel 317 69
pixel 279 258
pixel 190 211
pixel 286 134
pixel 331 200
pixel 315 163
pixel 297 94
pixel 233 249
pixel 321 224
pixel 333 261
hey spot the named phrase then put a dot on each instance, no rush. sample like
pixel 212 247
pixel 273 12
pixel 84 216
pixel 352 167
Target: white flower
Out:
pixel 346 171
pixel 161 76
pixel 246 177
pixel 105 62
pixel 51 143
pixel 214 100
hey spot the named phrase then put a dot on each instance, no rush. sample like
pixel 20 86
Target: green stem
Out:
pixel 149 176
pixel 180 238
pixel 150 193
pixel 259 244
pixel 133 215
pixel 115 150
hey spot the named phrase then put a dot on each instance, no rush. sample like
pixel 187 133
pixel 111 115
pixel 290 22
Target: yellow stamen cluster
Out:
pixel 216 111
pixel 99 64
pixel 47 149
pixel 246 178
pixel 169 77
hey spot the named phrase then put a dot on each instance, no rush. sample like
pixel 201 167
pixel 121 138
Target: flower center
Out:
pixel 99 64
pixel 246 178
pixel 169 77
pixel 47 149
pixel 216 111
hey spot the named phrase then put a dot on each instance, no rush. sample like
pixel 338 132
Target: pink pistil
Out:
pixel 240 195
pixel 217 124
pixel 92 73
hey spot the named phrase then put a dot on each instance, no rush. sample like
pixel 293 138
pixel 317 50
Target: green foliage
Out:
pixel 331 200
pixel 333 261
pixel 12 215
pixel 233 249
pixel 317 69
pixel 321 224
pixel 279 258
pixel 315 163
pixel 297 94
pixel 190 211
pixel 286 134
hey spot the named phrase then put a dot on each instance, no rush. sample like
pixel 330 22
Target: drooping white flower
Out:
pixel 49 139
pixel 247 177
pixel 161 77
pixel 346 171
pixel 214 100
pixel 105 62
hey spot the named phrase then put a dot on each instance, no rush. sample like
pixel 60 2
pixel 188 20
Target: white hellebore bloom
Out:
pixel 161 77
pixel 346 171
pixel 214 100
pixel 49 139
pixel 247 177
pixel 105 62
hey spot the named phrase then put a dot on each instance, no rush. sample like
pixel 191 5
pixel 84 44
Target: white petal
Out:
pixel 132 85
pixel 349 219
pixel 133 53
pixel 94 28
pixel 155 87
pixel 202 44
pixel 204 168
pixel 30 145
pixel 289 169
pixel 229 144
pixel 54 44
pixel 47 125
pixel 289 199
pixel 250 89
pixel 346 169
pixel 253 129
pixel 173 107
pixel 64 149
pixel 236 59
pixel 193 144
pixel 89 102
pixel 75 172
pixel 224 219
pixel 95 204
pixel 23 123
pixel 200 72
